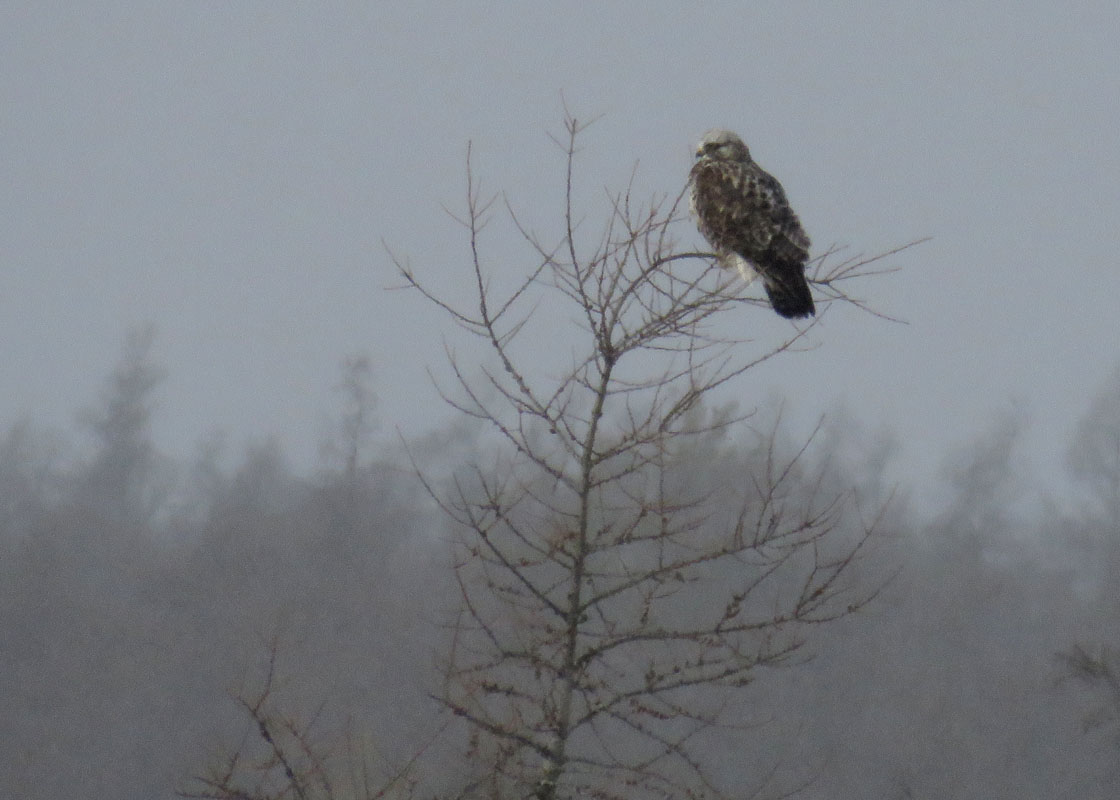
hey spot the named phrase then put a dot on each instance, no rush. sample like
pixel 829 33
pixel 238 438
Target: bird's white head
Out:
pixel 722 144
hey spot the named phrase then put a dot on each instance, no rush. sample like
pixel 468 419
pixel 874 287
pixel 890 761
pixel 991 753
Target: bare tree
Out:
pixel 283 756
pixel 127 482
pixel 1094 460
pixel 349 442
pixel 619 586
pixel 346 447
pixel 1100 673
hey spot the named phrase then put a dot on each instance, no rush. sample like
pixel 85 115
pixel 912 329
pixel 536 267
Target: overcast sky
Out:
pixel 229 171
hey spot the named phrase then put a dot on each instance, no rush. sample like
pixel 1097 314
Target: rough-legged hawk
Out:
pixel 743 213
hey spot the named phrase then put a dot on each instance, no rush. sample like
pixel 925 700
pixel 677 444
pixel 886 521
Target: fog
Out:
pixel 213 411
pixel 142 593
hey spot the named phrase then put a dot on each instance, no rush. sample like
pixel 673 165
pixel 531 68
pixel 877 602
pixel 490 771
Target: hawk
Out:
pixel 743 213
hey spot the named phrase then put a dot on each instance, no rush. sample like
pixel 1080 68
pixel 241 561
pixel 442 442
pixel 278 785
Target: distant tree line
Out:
pixel 596 584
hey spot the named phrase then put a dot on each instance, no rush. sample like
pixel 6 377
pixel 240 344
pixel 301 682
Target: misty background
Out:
pixel 174 496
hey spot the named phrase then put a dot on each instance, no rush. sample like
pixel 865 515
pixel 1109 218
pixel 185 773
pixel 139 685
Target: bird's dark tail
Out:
pixel 789 293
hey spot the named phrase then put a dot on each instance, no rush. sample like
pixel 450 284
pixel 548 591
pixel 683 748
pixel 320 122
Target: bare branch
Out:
pixel 280 757
pixel 625 570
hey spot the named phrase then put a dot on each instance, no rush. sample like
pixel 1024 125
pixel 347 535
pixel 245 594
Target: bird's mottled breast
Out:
pixel 725 197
